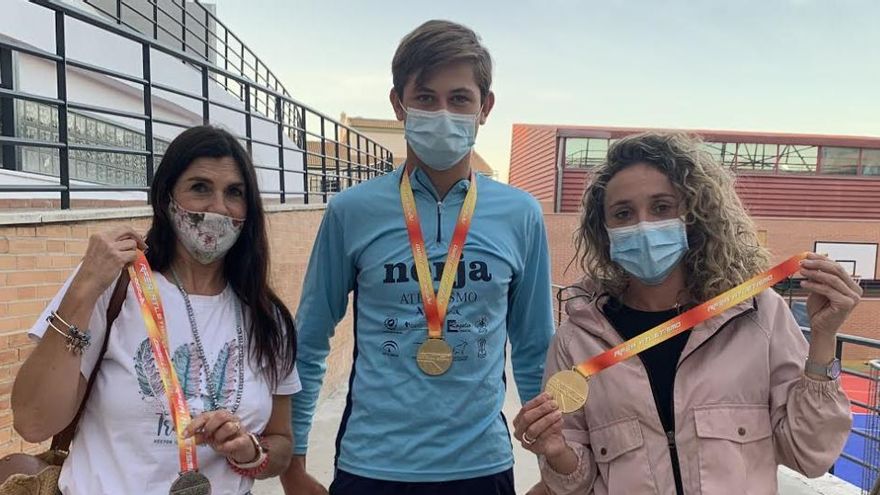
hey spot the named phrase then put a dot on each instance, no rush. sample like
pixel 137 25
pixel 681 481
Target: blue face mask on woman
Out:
pixel 649 251
pixel 440 139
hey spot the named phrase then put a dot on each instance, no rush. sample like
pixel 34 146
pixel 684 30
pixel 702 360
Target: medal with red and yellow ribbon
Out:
pixel 570 388
pixel 434 356
pixel 190 480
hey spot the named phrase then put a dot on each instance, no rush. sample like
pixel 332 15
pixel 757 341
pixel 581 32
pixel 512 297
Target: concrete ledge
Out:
pixel 63 216
pixel 792 483
pixel 277 207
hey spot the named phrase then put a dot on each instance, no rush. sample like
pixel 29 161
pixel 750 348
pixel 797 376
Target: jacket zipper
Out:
pixel 439 209
pixel 670 435
pixel 439 205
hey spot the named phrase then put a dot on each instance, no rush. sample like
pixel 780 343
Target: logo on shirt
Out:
pixel 482 324
pixel 474 271
pixel 459 351
pixel 481 349
pixel 191 373
pixel 390 349
pixel 458 326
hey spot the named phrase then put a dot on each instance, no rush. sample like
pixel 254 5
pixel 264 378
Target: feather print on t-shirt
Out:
pixel 191 373
pixel 188 366
pixel 147 373
pixel 224 375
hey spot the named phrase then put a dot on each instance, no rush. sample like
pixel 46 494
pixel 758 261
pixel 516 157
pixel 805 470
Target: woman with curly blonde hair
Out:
pixel 714 409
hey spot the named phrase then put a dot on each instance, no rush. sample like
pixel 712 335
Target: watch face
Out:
pixel 834 369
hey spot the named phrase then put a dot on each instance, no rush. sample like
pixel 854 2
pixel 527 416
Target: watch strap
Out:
pixel 815 368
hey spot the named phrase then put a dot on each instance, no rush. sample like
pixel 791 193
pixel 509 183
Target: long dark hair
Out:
pixel 246 265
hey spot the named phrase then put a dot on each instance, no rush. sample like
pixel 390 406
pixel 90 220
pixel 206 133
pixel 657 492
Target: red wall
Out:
pixel 533 162
pixel 533 168
pixel 777 195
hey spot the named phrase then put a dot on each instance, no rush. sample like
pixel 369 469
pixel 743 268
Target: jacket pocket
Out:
pixel 619 451
pixel 735 449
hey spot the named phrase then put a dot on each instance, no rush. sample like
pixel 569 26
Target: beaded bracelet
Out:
pixel 254 471
pixel 77 341
pixel 257 466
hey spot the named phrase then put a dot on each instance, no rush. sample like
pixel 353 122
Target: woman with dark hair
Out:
pixel 230 339
pixel 712 409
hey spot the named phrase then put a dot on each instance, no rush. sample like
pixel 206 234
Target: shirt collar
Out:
pixel 421 182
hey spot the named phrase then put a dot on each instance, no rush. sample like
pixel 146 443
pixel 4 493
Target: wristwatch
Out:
pixel 830 370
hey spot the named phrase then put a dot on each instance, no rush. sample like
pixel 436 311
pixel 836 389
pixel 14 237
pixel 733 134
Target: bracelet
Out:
pixel 77 341
pixel 253 468
pixel 251 472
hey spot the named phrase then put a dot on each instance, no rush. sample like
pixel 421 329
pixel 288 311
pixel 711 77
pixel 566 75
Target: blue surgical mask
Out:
pixel 440 139
pixel 649 251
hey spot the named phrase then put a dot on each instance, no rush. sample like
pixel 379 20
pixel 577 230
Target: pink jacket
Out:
pixel 742 406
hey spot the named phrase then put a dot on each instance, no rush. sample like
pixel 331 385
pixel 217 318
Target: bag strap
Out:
pixel 61 441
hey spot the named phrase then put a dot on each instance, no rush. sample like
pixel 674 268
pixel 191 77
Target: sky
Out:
pixel 810 66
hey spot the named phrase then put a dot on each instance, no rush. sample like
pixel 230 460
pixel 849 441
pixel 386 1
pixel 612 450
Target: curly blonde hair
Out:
pixel 723 243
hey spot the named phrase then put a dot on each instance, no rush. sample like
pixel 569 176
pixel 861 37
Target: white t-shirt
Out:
pixel 125 442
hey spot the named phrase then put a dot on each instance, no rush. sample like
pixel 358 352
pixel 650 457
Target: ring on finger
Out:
pixel 526 440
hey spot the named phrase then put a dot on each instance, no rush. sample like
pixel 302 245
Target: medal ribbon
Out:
pixel 436 305
pixel 691 318
pixel 154 318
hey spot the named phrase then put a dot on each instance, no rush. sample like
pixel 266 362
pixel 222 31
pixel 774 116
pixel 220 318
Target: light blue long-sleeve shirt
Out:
pixel 400 424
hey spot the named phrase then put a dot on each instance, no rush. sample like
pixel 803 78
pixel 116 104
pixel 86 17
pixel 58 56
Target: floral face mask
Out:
pixel 206 236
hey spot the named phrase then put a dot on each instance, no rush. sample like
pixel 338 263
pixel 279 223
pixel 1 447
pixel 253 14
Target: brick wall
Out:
pixel 35 259
pixel 784 237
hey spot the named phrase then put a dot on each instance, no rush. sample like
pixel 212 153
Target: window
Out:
pixel 713 149
pixel 723 153
pixel 797 158
pixel 839 161
pixel 870 162
pixel 40 122
pixel 318 184
pixel 585 152
pixel 756 157
pixel 2 130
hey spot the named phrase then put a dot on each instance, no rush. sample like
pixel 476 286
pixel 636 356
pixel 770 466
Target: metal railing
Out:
pixel 844 342
pixel 198 32
pixel 333 155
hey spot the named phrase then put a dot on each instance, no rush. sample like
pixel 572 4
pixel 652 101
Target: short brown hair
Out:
pixel 437 43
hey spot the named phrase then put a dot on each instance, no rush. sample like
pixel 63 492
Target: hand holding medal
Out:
pixel 222 431
pixel 569 388
pixel 538 426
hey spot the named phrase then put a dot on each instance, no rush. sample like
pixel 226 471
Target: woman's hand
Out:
pixel 107 254
pixel 833 294
pixel 222 431
pixel 538 427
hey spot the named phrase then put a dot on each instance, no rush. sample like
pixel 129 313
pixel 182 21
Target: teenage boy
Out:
pixel 431 320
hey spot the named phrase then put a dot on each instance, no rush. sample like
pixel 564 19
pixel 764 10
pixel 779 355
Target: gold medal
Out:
pixel 569 389
pixel 191 483
pixel 434 357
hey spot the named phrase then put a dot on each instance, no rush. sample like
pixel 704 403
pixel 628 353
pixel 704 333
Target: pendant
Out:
pixel 569 389
pixel 191 483
pixel 434 357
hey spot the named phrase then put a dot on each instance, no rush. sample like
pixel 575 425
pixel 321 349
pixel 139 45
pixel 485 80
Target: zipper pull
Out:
pixel 439 221
pixel 670 439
